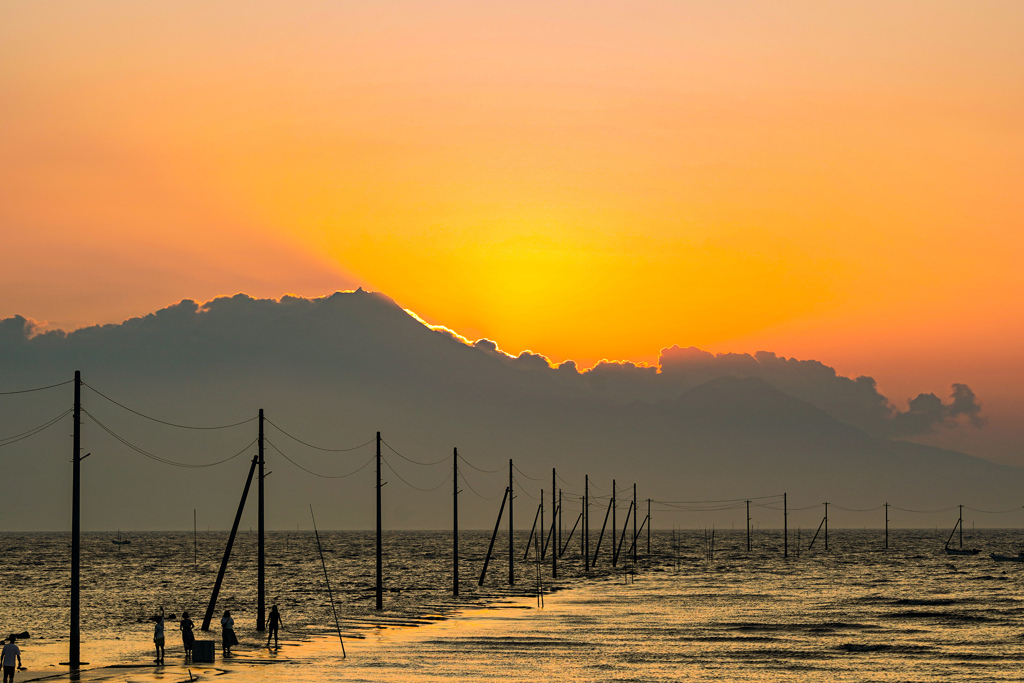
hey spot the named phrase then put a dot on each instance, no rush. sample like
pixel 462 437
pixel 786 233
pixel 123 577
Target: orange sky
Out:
pixel 838 181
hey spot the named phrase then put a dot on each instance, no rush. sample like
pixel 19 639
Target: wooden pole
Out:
pixel 748 526
pixel 455 523
pixel 886 526
pixel 261 586
pixel 615 556
pixel 826 527
pixel 74 640
pixel 597 549
pixel 785 527
pixel 227 551
pixel 529 540
pixel 586 522
pixel 490 548
pixel 555 514
pixel 380 536
pixel 511 555
pixel 636 511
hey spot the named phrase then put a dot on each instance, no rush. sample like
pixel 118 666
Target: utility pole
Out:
pixel 554 525
pixel 785 527
pixel 455 532
pixel 380 552
pixel 615 556
pixel 261 584
pixel 74 644
pixel 886 526
pixel 511 556
pixel 586 522
pixel 748 526
pixel 636 511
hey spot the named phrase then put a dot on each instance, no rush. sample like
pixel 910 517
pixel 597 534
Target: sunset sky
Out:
pixel 836 181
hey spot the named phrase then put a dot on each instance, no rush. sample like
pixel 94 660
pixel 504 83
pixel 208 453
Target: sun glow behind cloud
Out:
pixel 587 180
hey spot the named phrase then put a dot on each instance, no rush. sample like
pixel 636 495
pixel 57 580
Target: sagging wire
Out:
pixel 29 391
pixel 161 459
pixel 924 512
pixel 415 462
pixel 7 441
pixel 165 422
pixel 317 474
pixel 480 469
pixel 524 473
pixel 478 494
pixel 444 481
pixel 318 448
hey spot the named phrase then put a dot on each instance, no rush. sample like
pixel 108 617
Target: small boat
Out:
pixel 961 550
pixel 118 541
pixel 1019 557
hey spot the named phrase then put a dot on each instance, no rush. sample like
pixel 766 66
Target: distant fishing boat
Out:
pixel 1019 557
pixel 961 550
pixel 118 540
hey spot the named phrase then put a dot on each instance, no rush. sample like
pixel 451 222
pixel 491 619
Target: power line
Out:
pixel 415 462
pixel 478 469
pixel 395 472
pixel 524 473
pixel 35 430
pixel 318 448
pixel 166 461
pixel 164 422
pixel 317 474
pixel 470 486
pixel 29 391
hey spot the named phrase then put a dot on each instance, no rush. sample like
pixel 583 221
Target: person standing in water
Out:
pixel 187 637
pixel 227 625
pixel 10 653
pixel 158 636
pixel 273 623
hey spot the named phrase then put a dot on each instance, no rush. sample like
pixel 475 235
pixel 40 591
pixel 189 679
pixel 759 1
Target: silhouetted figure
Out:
pixel 10 653
pixel 158 636
pixel 228 639
pixel 273 624
pixel 187 637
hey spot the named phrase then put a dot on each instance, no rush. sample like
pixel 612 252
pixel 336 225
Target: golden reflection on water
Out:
pixel 854 614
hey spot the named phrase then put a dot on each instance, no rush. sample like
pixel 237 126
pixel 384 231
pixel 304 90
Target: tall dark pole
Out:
pixel 635 513
pixel 785 527
pixel 455 519
pixel 826 527
pixel 555 512
pixel 559 522
pixel 74 651
pixel 261 584
pixel 380 552
pixel 886 526
pixel 511 555
pixel 586 522
pixel 615 555
pixel 748 526
pixel 227 550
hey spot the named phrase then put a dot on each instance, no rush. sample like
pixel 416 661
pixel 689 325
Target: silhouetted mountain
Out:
pixel 332 372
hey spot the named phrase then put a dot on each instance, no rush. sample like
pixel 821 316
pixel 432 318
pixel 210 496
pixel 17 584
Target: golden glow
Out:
pixel 590 180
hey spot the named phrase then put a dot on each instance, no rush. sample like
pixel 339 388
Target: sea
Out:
pixel 694 605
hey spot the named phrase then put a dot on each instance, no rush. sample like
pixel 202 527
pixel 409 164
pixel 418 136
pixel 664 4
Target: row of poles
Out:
pixel 553 532
pixel 257 469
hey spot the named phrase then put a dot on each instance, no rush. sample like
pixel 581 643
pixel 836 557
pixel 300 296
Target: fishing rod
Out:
pixel 337 625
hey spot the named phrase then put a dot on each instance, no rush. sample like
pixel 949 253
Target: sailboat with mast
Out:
pixel 961 550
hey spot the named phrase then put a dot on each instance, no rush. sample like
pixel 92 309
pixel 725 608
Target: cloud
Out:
pixel 855 401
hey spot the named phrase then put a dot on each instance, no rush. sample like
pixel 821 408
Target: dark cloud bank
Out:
pixel 333 371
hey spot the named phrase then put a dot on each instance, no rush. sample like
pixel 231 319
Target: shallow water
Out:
pixel 854 613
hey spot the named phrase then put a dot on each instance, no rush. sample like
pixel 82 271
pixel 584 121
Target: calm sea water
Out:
pixel 854 613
